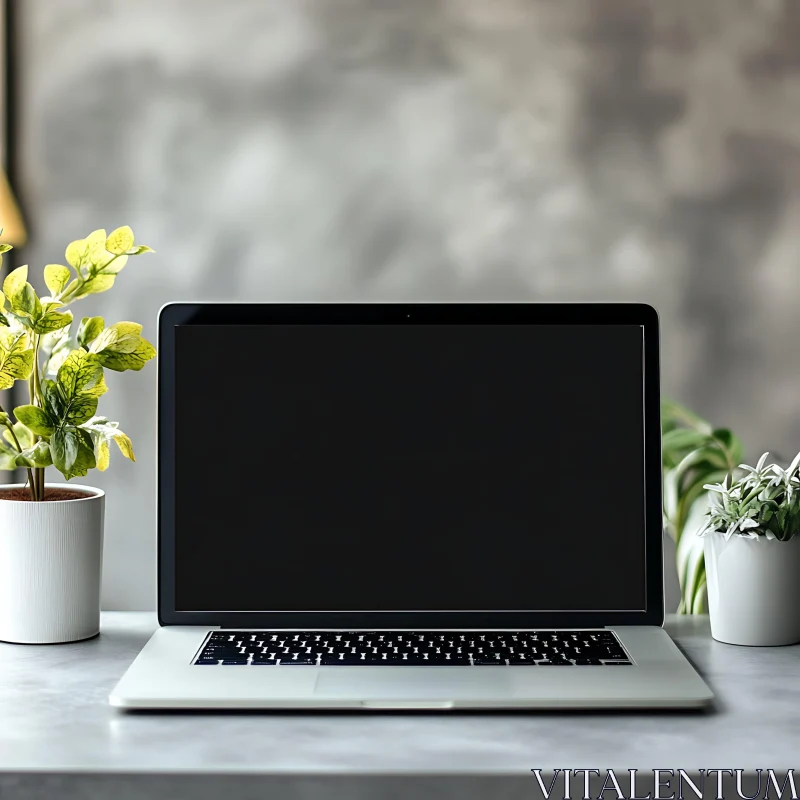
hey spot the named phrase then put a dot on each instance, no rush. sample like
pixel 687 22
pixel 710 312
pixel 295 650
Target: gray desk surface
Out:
pixel 54 718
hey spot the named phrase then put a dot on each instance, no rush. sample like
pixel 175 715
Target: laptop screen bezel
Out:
pixel 175 315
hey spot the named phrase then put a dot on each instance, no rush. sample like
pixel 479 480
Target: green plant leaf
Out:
pixel 103 431
pixel 38 456
pixel 51 320
pixel 54 402
pixel 24 436
pixel 96 284
pixel 120 240
pixel 80 383
pixel 72 451
pixel 80 373
pixel 141 248
pixel 35 419
pixel 121 347
pixel 102 453
pixel 26 303
pixel 682 439
pixel 56 277
pixel 83 253
pixel 4 248
pixel 14 282
pixel 8 456
pixel 674 414
pixel 730 444
pixel 4 320
pixel 16 358
pixel 112 265
pixel 89 329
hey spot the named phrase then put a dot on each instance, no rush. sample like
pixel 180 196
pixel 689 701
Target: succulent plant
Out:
pixel 762 504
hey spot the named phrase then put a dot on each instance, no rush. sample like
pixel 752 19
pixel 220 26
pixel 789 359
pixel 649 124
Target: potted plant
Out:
pixel 51 534
pixel 694 454
pixel 752 552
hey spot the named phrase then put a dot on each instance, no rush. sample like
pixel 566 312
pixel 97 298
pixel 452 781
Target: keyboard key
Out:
pixel 298 662
pixel 618 664
pixel 234 662
pixel 588 662
pixel 554 663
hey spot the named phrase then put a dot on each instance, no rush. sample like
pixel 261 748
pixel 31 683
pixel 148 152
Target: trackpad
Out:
pixel 409 683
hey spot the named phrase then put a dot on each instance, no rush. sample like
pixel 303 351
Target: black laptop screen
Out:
pixel 390 467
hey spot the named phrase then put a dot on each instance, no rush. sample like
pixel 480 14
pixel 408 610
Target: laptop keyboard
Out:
pixel 413 648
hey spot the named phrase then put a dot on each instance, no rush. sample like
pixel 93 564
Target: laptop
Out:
pixel 409 506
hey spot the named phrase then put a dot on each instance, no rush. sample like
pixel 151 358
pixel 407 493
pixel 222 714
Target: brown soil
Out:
pixel 49 494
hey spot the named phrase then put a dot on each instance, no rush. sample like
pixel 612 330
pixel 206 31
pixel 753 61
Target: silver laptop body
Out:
pixel 427 506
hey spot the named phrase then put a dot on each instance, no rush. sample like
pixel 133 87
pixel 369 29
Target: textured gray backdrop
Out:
pixel 426 149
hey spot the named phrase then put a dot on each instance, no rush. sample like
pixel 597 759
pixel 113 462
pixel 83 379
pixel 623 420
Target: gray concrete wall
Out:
pixel 428 149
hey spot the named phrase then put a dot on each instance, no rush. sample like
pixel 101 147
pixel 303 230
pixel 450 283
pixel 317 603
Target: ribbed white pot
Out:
pixel 753 589
pixel 51 556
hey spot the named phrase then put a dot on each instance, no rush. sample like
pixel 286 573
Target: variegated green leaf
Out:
pixel 121 347
pixel 14 282
pixel 89 329
pixel 16 358
pixel 120 240
pixel 24 436
pixel 72 451
pixel 56 277
pixel 36 419
pixel 38 456
pixel 103 431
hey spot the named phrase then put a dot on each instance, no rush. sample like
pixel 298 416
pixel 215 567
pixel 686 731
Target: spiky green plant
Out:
pixel 694 454
pixel 764 503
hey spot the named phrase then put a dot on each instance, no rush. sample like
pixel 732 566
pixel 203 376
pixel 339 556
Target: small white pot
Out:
pixel 51 556
pixel 753 589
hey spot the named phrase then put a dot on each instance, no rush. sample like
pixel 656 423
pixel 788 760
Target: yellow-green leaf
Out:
pixel 125 445
pixel 102 431
pixel 36 456
pixel 52 321
pixel 15 282
pixel 134 357
pixel 89 329
pixel 76 253
pixel 102 454
pixel 96 284
pixel 85 252
pixel 26 302
pixel 121 347
pixel 35 419
pixel 24 436
pixel 80 382
pixel 120 240
pixel 56 277
pixel 80 373
pixel 16 358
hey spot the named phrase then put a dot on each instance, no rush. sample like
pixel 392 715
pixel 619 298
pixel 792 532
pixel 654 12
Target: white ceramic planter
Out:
pixel 51 556
pixel 753 590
